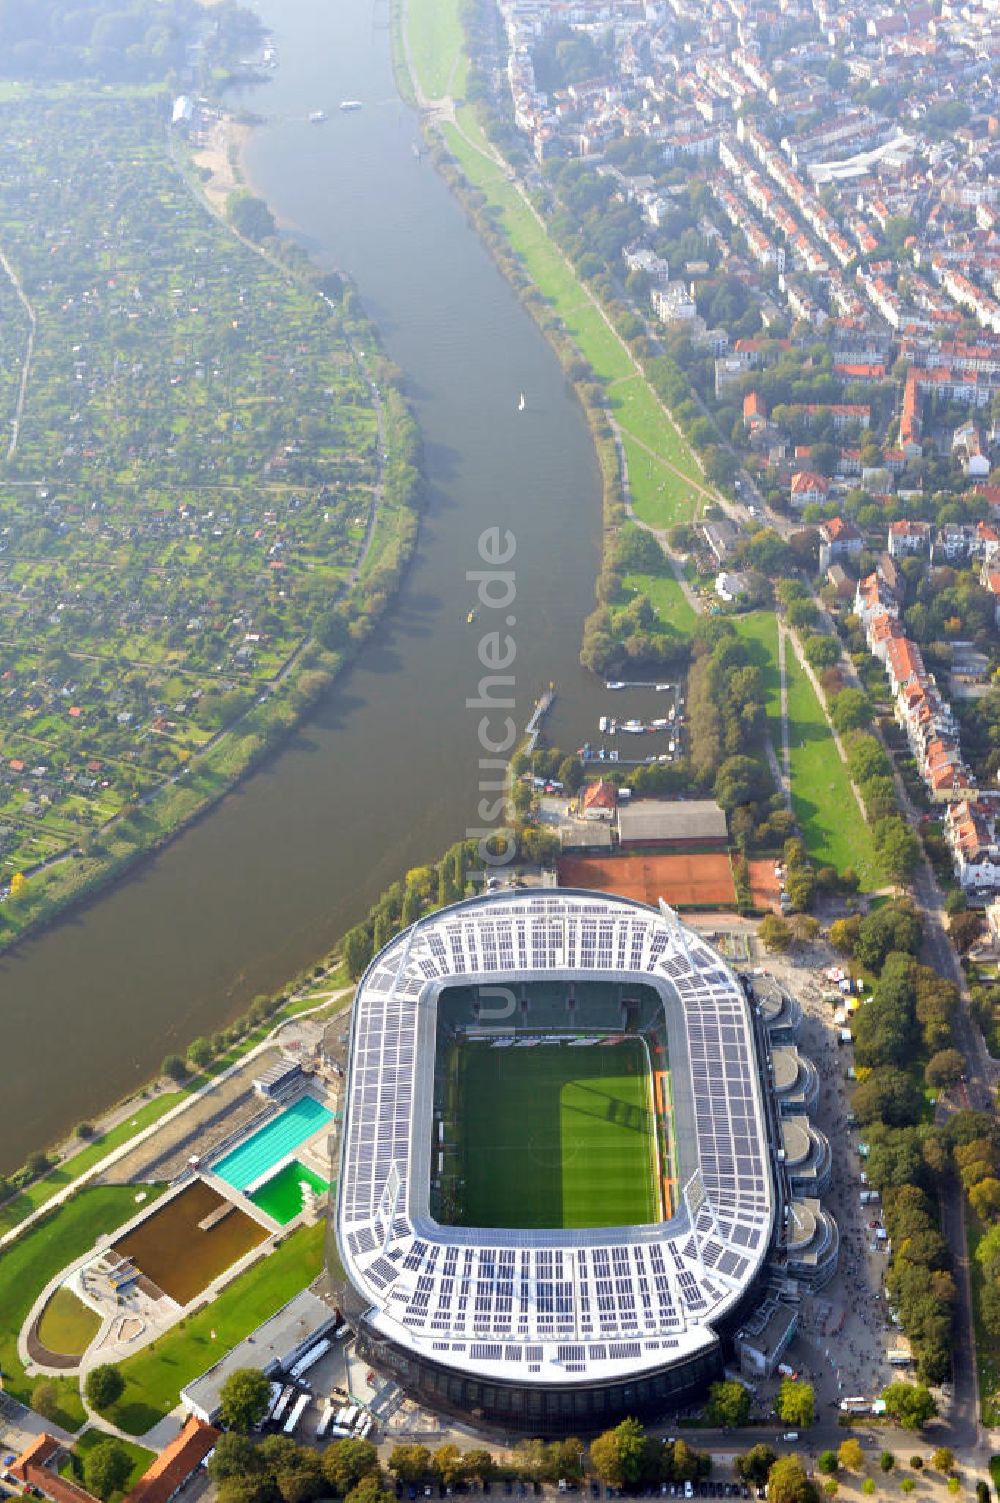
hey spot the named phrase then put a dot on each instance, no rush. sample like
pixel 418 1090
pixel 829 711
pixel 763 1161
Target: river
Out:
pixel 384 776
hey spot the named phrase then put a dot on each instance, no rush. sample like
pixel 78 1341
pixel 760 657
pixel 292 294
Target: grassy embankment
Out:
pixel 664 477
pixel 43 1252
pixel 155 1376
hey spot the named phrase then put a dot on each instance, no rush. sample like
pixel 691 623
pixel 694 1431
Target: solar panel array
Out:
pixel 609 1301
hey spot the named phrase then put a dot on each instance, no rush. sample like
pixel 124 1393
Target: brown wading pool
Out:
pixel 179 1258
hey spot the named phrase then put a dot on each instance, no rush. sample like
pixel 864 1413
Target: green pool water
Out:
pixel 281 1197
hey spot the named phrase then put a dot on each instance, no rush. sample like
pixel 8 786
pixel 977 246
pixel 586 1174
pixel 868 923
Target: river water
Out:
pixel 385 775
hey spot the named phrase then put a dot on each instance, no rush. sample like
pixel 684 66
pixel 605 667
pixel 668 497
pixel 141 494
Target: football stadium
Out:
pixel 557 1191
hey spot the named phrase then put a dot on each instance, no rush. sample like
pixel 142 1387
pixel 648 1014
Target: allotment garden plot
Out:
pixel 193 476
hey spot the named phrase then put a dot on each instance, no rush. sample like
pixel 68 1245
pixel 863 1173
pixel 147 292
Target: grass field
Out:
pixel 827 812
pixel 673 609
pixel 435 33
pixel 557 1137
pixel 67 1326
pixel 155 1376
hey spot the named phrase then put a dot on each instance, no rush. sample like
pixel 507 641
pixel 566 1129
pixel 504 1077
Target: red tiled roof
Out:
pixel 174 1465
pixel 32 1468
pixel 600 795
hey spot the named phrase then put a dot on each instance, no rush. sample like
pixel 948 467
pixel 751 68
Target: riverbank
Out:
pixel 218 158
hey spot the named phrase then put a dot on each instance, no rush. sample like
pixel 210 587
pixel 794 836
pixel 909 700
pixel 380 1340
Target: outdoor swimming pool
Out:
pixel 282 1196
pixel 252 1159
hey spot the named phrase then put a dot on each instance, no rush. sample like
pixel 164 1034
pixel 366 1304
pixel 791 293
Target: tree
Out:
pixel 200 1053
pixel 571 774
pixel 821 652
pixel 894 927
pixel 888 1095
pixel 755 1464
pixel 45 1399
pixel 897 847
pixel 104 1386
pixel 346 1462
pixel 887 1461
pixel 984 1198
pixel 479 1465
pixel 106 1468
pixel 446 1462
pixel 844 934
pixel 964 930
pixel 741 780
pixel 250 216
pixel 617 1455
pixel 562 1458
pixel 909 1404
pixel 944 1068
pixel 826 1462
pixel 774 933
pixel 410 1462
pixel 851 710
pixel 796 1403
pixel 850 1455
pixel 728 1404
pixel 369 1489
pixel 18 886
pixel 943 1460
pixel 174 1067
pixel 234 1456
pixel 788 1482
pixel 244 1399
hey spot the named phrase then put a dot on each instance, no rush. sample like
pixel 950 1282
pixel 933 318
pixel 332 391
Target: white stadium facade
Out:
pixel 558 1330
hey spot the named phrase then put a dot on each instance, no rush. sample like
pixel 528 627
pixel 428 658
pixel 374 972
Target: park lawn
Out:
pixel 68 1326
pixel 673 609
pixel 435 34
pixel 558 1137
pixel 138 1455
pixel 14 1211
pixel 834 831
pixel 28 1264
pixel 638 411
pixel 155 1376
pixel 659 496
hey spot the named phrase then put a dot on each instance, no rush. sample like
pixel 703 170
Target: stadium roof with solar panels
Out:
pixel 569 976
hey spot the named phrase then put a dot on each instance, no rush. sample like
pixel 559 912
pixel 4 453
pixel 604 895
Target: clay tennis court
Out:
pixel 685 881
pixel 765 887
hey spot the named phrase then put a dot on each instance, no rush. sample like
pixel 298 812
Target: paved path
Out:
pixel 786 756
pixel 29 351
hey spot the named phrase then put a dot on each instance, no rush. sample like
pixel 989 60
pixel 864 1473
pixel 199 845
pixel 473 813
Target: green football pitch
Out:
pixel 555 1136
